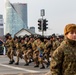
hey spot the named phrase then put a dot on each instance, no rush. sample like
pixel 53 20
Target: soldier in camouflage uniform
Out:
pixel 40 47
pixel 23 48
pixel 60 39
pixel 35 52
pixel 55 44
pixel 29 54
pixel 63 60
pixel 17 49
pixel 47 50
pixel 9 45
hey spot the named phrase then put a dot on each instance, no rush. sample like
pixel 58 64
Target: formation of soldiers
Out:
pixel 36 49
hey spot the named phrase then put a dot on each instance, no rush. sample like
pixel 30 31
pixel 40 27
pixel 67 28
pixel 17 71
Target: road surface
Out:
pixel 6 69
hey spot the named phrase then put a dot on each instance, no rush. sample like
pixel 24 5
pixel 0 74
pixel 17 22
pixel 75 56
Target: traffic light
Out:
pixel 45 25
pixel 39 24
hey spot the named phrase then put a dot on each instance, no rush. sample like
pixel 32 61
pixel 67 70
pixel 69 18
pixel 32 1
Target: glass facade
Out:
pixel 16 17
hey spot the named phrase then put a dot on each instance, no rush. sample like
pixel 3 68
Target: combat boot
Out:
pixel 36 66
pixel 48 64
pixel 11 62
pixel 30 61
pixel 43 67
pixel 17 63
pixel 27 64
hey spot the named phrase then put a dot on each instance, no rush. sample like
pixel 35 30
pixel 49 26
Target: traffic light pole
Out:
pixel 42 14
pixel 42 23
pixel 42 27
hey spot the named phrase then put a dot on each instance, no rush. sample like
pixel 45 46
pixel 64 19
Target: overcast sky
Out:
pixel 57 12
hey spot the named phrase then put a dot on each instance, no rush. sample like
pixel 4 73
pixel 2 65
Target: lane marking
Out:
pixel 18 68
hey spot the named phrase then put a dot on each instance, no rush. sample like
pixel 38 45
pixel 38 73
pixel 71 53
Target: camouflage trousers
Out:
pixel 10 53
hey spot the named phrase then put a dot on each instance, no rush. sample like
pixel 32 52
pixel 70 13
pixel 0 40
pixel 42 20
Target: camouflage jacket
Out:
pixel 9 43
pixel 63 61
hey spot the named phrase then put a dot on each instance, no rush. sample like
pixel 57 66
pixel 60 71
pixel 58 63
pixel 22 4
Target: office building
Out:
pixel 16 17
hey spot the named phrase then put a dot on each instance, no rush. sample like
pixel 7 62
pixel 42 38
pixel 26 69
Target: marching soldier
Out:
pixel 55 44
pixel 35 52
pixel 9 45
pixel 40 50
pixel 47 50
pixel 18 50
pixel 23 48
pixel 29 54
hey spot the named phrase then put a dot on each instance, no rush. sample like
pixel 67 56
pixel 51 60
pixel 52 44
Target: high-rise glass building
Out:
pixel 1 26
pixel 16 17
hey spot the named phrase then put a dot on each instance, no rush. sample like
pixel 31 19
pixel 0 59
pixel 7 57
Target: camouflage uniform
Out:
pixel 28 53
pixel 63 60
pixel 47 50
pixel 23 49
pixel 40 48
pixel 10 52
pixel 18 51
pixel 55 44
pixel 35 53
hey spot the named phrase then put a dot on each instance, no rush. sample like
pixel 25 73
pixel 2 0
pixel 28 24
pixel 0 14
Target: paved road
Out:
pixel 20 69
